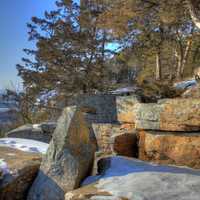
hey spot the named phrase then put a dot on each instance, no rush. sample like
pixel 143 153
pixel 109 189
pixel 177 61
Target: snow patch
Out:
pixel 27 145
pixel 135 179
pixel 124 90
pixel 185 84
pixel 36 126
pixel 4 167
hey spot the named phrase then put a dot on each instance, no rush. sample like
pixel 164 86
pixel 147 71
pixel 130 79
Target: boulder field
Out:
pixel 128 147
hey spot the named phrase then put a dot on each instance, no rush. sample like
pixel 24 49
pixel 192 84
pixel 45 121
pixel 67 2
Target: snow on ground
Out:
pixel 24 145
pixel 4 167
pixel 135 179
pixel 185 84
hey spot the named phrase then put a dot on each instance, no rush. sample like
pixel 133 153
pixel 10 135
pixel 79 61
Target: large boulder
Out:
pixel 125 108
pixel 69 157
pixel 170 148
pixel 119 139
pixel 169 115
pixel 41 132
pixel 131 179
pixel 18 170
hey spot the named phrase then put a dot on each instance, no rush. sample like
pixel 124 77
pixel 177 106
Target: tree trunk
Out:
pixel 194 9
pixel 158 66
pixel 182 59
pixel 185 56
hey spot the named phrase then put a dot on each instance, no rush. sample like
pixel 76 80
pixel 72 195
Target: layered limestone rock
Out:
pixel 131 179
pixel 69 157
pixel 18 171
pixel 125 108
pixel 169 115
pixel 170 148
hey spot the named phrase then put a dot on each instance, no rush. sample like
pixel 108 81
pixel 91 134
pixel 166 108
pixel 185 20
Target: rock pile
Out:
pixel 91 138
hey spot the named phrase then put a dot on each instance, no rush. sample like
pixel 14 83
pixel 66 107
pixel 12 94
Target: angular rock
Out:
pixel 104 105
pixel 18 170
pixel 69 157
pixel 169 115
pixel 41 132
pixel 125 108
pixel 170 148
pixel 119 139
pixel 131 179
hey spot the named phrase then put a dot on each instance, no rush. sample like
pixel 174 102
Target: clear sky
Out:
pixel 14 14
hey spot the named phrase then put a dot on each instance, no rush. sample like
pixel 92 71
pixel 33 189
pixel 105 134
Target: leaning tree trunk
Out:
pixel 185 56
pixel 158 66
pixel 179 64
pixel 194 9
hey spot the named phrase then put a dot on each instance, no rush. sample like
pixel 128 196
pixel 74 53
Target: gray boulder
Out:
pixel 41 132
pixel 69 158
pixel 130 179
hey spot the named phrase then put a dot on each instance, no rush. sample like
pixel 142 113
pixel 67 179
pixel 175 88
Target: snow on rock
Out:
pixel 185 84
pixel 137 180
pixel 4 167
pixel 24 145
pixel 124 90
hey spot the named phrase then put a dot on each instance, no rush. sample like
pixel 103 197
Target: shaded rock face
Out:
pixel 169 115
pixel 125 108
pixel 170 148
pixel 105 106
pixel 131 179
pixel 114 139
pixel 117 139
pixel 18 173
pixel 41 132
pixel 68 159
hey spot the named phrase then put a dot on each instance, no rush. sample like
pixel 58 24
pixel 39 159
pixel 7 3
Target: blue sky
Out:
pixel 14 14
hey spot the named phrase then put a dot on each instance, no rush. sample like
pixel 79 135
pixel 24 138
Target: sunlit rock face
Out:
pixel 170 148
pixel 18 170
pixel 131 179
pixel 169 115
pixel 125 108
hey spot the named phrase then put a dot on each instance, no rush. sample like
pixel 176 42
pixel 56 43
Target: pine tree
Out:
pixel 70 51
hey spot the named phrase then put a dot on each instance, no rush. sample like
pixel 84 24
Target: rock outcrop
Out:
pixel 169 115
pixel 170 148
pixel 131 179
pixel 18 170
pixel 41 132
pixel 69 157
pixel 117 139
pixel 125 108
